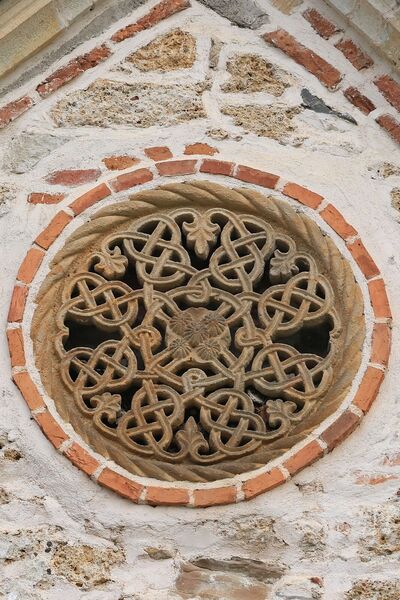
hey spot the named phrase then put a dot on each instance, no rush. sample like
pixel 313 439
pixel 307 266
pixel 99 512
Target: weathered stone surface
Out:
pixel 253 532
pixel 6 195
pixel 286 6
pixel 382 532
pixel 244 13
pixel 27 149
pixel 298 588
pixel 106 103
pixel 85 566
pixel 368 589
pixel 275 121
pixel 395 195
pixel 252 73
pixel 159 553
pixel 384 170
pixel 234 578
pixel 215 51
pixel 175 50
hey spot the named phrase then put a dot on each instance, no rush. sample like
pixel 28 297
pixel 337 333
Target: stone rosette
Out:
pixel 246 485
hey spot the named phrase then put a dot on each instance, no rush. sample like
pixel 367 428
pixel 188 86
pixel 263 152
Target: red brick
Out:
pixel 200 148
pixel 119 163
pixel 262 178
pixel 161 11
pixel 82 459
pixel 128 180
pixel 304 457
pixel 303 195
pixel 91 197
pixel 368 389
pixel 363 259
pixel 43 198
pixel 321 24
pixel 75 67
pixel 390 89
pixel 28 390
pixel 16 347
pixel 176 167
pixel 381 341
pixel 158 153
pixel 73 177
pixel 30 265
pixel 262 483
pixel 363 103
pixel 335 219
pixel 13 110
pixel 379 299
pixel 120 484
pixel 354 54
pixel 215 496
pixel 373 479
pixel 17 305
pixel 53 230
pixel 340 429
pixel 217 167
pixel 51 429
pixel 315 64
pixel 390 124
pixel 163 496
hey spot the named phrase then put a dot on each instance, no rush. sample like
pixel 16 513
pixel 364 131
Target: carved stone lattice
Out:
pixel 196 331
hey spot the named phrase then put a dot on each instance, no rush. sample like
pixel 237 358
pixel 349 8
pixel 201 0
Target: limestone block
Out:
pixel 16 39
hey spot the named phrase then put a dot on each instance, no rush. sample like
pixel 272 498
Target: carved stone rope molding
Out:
pixel 193 334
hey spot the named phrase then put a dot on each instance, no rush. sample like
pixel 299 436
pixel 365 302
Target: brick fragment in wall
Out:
pixel 358 58
pixel 390 89
pixel 327 74
pixel 159 12
pixel 274 121
pixel 107 103
pixel 174 50
pixel 321 24
pixel 244 13
pixel 391 125
pixel 75 67
pixel 318 105
pixel 251 73
pixel 13 110
pixel 359 100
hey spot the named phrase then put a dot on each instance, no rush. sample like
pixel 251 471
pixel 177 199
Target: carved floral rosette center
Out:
pixel 197 331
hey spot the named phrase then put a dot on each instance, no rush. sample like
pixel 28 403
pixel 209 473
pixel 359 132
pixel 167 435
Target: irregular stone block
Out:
pixel 244 13
pixel 267 121
pixel 252 73
pixel 106 103
pixel 175 50
pixel 27 149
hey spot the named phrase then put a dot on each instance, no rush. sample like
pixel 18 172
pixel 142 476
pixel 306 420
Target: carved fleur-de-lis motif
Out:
pixel 111 265
pixel 201 234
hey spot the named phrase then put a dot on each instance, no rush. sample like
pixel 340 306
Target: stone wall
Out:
pixel 286 88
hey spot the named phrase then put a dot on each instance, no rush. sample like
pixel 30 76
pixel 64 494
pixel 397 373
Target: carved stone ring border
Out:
pixel 246 485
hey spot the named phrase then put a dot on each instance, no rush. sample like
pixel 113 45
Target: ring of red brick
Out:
pixel 243 487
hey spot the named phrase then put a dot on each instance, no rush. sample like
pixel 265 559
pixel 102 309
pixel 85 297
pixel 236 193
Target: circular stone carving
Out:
pixel 196 331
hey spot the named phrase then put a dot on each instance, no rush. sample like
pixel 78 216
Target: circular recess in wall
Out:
pixel 191 335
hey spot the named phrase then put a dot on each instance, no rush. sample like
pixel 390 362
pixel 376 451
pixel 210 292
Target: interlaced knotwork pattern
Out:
pixel 195 336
